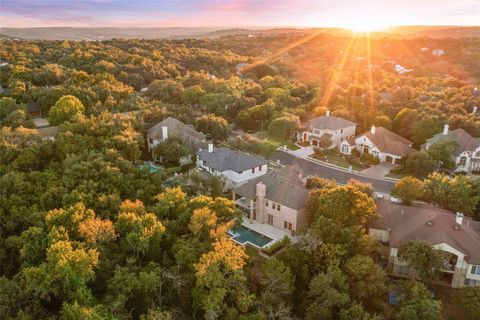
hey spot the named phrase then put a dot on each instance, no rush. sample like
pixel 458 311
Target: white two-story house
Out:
pixel 458 238
pixel 382 143
pixel 235 166
pixel 277 198
pixel 467 152
pixel 328 128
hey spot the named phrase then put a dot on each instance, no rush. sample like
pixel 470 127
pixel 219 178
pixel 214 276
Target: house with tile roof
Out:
pixel 277 198
pixel 172 127
pixel 326 128
pixel 236 167
pixel 467 151
pixel 456 236
pixel 382 143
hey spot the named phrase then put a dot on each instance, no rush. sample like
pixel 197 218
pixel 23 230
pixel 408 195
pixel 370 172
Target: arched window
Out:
pixel 463 161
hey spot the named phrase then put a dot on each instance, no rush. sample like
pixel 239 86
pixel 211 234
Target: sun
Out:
pixel 360 26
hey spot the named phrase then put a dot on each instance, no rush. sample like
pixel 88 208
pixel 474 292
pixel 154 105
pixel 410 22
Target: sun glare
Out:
pixel 365 26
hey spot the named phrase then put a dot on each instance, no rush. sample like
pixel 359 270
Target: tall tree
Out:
pixel 64 109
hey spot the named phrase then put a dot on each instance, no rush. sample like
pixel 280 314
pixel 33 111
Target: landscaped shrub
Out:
pixel 370 159
pixel 277 246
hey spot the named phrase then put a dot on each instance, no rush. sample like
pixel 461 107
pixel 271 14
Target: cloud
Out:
pixel 230 12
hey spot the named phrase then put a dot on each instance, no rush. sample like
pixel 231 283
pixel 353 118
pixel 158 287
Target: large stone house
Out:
pixel 455 236
pixel 382 143
pixel 277 198
pixel 327 127
pixel 235 166
pixel 170 127
pixel 467 152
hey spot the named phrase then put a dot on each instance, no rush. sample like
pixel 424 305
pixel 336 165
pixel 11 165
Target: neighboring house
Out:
pixel 455 236
pixel 48 133
pixel 34 109
pixel 277 198
pixel 327 127
pixel 467 153
pixel 235 166
pixel 173 127
pixel 381 143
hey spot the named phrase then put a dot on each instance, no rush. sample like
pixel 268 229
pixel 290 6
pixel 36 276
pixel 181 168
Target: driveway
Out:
pixel 303 152
pixel 379 170
pixel 340 176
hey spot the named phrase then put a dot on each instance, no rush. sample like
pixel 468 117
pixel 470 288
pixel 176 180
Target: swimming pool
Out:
pixel 243 235
pixel 150 167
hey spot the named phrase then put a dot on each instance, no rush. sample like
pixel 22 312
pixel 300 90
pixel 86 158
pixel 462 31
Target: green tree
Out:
pixel 366 282
pixel 282 128
pixel 426 261
pixel 420 164
pixel 277 284
pixel 171 150
pixel 64 109
pixel 415 302
pixel 327 295
pixel 408 189
pixel 192 95
pixel 441 152
pixel 469 301
pixel 216 126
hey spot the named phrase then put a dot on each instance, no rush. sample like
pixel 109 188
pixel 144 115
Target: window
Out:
pixel 266 203
pixel 260 168
pixel 273 205
pixel 150 140
pixel 278 207
pixel 403 270
pixel 470 283
pixel 477 154
pixel 475 270
pixel 285 224
pixel 253 170
pixel 290 226
pixel 270 219
pixel 341 130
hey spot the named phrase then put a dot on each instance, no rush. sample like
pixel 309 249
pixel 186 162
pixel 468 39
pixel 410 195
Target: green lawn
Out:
pixel 339 160
pixel 290 144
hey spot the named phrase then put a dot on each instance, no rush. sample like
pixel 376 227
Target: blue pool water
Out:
pixel 150 167
pixel 243 234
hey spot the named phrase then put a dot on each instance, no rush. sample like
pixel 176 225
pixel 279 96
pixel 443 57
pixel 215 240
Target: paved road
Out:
pixel 342 177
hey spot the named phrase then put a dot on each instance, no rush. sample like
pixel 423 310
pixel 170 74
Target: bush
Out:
pixel 370 159
pixel 277 246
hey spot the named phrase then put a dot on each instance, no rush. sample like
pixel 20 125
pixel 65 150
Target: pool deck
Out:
pixel 266 230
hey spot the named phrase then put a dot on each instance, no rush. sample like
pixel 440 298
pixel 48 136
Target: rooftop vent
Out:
pixel 429 223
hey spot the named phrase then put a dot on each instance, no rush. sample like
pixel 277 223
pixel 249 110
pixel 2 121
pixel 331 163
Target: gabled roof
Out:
pixel 464 140
pixel 389 142
pixel 430 224
pixel 186 133
pixel 48 132
pixel 330 123
pixel 283 186
pixel 223 159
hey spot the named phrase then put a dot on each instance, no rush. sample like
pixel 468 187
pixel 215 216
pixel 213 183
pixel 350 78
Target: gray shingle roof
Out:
pixel 185 132
pixel 223 159
pixel 284 186
pixel 389 142
pixel 430 224
pixel 465 141
pixel 330 123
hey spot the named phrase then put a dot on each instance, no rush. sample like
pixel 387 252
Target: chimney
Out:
pixel 328 113
pixel 164 133
pixel 475 109
pixel 445 129
pixel 459 218
pixel 210 147
pixel 261 192
pixel 373 129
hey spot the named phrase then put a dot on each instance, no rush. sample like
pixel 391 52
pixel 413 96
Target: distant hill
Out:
pixel 60 33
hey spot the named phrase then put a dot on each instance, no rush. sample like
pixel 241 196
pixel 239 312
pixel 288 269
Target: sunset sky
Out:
pixel 368 14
